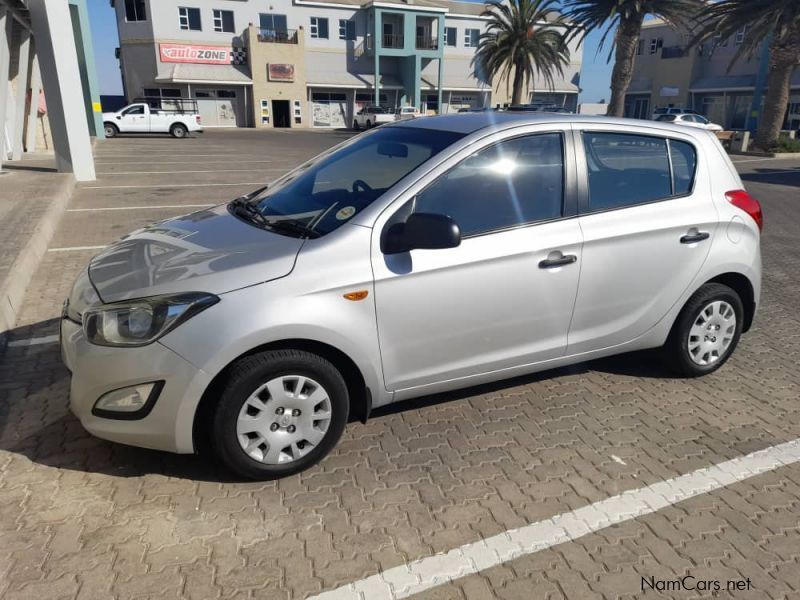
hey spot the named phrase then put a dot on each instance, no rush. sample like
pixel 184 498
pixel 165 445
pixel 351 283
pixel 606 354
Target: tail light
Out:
pixel 741 199
pixel 197 118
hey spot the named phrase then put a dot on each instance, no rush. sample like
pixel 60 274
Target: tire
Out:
pixel 693 355
pixel 110 130
pixel 369 124
pixel 356 126
pixel 263 387
pixel 178 131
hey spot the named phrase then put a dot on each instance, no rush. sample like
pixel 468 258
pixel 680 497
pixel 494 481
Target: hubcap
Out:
pixel 712 333
pixel 284 419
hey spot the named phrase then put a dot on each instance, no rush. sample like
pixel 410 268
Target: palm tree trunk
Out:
pixel 519 81
pixel 782 61
pixel 626 38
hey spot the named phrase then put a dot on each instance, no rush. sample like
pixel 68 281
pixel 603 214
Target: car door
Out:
pixel 648 221
pixel 134 119
pixel 504 297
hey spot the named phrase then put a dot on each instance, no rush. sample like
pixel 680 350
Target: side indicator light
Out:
pixel 356 296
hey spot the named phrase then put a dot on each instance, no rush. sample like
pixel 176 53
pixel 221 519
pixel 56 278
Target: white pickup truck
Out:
pixel 139 117
pixel 369 116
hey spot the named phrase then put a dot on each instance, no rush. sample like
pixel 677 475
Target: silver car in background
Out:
pixel 423 256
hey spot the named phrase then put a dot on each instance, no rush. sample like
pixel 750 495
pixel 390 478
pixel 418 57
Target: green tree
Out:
pixel 624 19
pixel 775 20
pixel 522 38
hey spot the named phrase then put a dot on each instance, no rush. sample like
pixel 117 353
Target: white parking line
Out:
pixel 159 206
pixel 38 341
pixel 75 248
pixel 749 160
pixel 426 573
pixel 166 185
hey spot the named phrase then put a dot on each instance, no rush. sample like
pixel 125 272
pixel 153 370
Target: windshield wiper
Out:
pixel 291 226
pixel 242 207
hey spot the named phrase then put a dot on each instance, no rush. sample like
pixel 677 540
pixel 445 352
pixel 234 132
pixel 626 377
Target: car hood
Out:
pixel 206 251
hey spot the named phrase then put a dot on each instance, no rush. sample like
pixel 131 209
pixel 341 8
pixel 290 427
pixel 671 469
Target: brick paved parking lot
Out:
pixel 83 518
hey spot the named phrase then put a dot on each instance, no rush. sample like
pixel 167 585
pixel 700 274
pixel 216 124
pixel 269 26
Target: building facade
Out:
pixel 312 63
pixel 669 74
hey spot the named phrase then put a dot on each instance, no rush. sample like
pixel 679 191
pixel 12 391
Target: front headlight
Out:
pixel 141 322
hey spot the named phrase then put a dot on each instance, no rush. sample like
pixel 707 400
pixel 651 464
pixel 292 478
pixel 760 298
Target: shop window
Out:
pixel 319 28
pixel 189 18
pixel 135 11
pixel 223 21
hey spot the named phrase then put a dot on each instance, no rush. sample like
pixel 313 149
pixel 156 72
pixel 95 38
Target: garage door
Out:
pixel 221 108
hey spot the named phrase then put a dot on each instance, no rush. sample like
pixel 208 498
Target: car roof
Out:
pixel 467 123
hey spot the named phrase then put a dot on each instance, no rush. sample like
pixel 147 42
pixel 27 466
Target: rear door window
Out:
pixel 628 169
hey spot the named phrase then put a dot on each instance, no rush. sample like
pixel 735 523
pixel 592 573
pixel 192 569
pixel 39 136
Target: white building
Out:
pixel 302 63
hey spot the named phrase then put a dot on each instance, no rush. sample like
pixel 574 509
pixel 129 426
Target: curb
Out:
pixel 13 287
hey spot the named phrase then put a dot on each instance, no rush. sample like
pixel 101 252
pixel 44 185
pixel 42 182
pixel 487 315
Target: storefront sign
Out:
pixel 185 53
pixel 280 72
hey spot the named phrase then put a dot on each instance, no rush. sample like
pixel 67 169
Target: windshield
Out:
pixel 330 190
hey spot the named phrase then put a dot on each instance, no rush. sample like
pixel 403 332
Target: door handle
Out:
pixel 695 236
pixel 557 261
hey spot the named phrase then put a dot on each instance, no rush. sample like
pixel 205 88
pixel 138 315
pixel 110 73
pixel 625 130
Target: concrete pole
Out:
pixel 58 60
pixel 21 94
pixel 5 58
pixel 33 109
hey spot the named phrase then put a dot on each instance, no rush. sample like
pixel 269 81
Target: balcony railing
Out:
pixel 392 40
pixel 427 43
pixel 278 36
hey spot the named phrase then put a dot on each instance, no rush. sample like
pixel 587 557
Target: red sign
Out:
pixel 280 72
pixel 186 53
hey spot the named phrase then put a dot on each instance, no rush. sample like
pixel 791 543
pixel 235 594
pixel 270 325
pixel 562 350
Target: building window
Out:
pixel 655 45
pixel 471 38
pixel 134 10
pixel 161 93
pixel 347 29
pixel 450 34
pixel 189 18
pixel 640 48
pixel 223 21
pixel 272 23
pixel 319 28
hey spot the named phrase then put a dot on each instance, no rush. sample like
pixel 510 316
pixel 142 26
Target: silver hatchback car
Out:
pixel 420 257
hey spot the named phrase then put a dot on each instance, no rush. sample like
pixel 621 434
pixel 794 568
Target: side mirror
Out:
pixel 423 231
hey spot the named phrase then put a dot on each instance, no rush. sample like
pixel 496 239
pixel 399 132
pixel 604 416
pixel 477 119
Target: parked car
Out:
pixel 671 110
pixel 421 257
pixel 407 112
pixel 369 116
pixel 176 118
pixel 691 120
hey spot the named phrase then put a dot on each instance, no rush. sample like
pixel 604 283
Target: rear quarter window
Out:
pixel 628 169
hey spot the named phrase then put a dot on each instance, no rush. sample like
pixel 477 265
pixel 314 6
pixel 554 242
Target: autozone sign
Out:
pixel 186 53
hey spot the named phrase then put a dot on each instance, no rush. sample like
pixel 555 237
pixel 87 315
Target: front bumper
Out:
pixel 97 370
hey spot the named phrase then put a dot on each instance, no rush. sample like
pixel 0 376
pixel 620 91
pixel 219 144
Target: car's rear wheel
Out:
pixel 280 412
pixel 706 331
pixel 179 131
pixel 110 130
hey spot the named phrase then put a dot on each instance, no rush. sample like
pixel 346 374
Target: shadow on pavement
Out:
pixel 35 420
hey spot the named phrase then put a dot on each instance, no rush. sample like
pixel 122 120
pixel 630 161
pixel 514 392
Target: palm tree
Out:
pixel 624 18
pixel 523 37
pixel 776 20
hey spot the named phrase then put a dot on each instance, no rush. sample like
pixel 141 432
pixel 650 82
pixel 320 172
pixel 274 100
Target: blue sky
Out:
pixel 595 74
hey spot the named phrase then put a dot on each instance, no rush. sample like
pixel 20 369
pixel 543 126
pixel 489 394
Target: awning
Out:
pixel 205 74
pixel 724 83
pixel 344 79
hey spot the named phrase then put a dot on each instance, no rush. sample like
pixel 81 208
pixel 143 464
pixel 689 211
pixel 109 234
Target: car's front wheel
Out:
pixel 706 331
pixel 280 412
pixel 110 130
pixel 356 126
